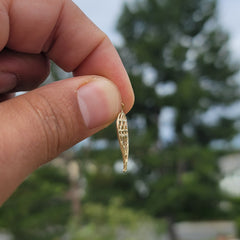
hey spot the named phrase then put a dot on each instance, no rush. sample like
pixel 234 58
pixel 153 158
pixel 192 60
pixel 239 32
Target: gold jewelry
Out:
pixel 122 131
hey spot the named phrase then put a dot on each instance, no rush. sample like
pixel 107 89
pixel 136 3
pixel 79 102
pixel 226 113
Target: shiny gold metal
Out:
pixel 122 131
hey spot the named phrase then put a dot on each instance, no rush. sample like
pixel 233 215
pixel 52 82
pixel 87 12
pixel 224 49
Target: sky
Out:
pixel 229 17
pixel 104 13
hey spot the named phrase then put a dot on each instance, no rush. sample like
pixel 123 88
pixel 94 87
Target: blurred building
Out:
pixel 4 236
pixel 230 169
pixel 212 230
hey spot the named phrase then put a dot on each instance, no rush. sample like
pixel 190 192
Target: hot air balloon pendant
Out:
pixel 122 131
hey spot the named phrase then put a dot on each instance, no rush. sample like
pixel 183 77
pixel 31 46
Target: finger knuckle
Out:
pixel 52 123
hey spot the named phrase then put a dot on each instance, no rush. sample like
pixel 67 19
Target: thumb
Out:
pixel 37 126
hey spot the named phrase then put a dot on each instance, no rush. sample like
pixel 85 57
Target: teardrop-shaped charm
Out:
pixel 122 131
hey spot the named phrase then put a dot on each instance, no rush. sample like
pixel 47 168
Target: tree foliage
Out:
pixel 38 209
pixel 114 221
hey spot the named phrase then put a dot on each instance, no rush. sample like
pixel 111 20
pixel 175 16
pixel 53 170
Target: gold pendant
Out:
pixel 122 131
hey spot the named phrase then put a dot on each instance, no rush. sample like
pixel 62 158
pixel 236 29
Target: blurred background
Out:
pixel 183 179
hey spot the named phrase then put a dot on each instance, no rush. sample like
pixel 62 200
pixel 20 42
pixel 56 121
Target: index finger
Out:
pixel 63 32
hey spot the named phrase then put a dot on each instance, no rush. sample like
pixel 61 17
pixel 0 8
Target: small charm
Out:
pixel 122 131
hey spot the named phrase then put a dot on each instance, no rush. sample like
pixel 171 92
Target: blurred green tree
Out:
pixel 178 59
pixel 39 208
pixel 114 221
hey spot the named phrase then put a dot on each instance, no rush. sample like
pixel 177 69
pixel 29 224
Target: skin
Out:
pixel 37 126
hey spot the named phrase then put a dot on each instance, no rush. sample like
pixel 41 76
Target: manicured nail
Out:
pixel 99 102
pixel 8 81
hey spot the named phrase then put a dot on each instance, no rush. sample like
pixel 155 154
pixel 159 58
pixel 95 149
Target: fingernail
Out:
pixel 8 81
pixel 99 102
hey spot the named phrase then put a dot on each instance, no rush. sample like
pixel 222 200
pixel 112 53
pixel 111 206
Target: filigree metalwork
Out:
pixel 122 131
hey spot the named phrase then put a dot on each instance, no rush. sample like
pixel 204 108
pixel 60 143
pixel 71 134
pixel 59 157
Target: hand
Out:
pixel 37 126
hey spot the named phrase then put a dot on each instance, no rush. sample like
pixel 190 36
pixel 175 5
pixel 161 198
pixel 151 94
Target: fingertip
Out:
pixel 105 61
pixel 99 102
